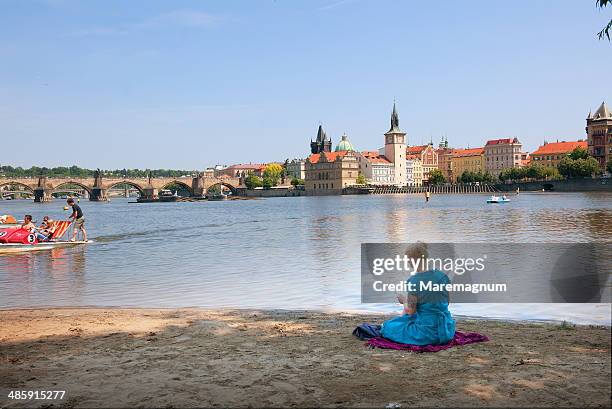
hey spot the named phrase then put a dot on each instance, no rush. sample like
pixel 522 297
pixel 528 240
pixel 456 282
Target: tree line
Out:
pixel 77 172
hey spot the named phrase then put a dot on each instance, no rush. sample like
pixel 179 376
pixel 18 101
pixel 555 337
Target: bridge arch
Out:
pixel 231 187
pixel 57 188
pixel 126 182
pixel 178 182
pixel 14 183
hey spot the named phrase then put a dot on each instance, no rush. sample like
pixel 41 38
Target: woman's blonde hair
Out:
pixel 417 250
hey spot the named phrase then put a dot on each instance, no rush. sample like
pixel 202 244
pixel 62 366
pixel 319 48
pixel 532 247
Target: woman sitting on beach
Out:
pixel 426 319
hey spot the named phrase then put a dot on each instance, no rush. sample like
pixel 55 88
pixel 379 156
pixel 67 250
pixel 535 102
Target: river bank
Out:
pixel 239 358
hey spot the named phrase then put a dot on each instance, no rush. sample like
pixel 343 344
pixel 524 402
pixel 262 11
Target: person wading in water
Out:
pixel 78 218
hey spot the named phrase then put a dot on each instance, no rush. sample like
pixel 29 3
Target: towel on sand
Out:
pixel 459 339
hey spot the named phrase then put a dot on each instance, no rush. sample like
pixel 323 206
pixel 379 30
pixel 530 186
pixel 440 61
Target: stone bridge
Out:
pixel 43 187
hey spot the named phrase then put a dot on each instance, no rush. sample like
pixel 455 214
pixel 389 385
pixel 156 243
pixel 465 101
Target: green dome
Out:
pixel 344 144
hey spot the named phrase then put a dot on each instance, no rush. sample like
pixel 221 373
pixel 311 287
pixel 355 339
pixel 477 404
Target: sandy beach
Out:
pixel 199 358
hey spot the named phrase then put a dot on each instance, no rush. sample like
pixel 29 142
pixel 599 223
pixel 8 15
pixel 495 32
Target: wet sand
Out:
pixel 199 358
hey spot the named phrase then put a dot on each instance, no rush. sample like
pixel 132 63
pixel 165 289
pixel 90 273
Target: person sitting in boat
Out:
pixel 31 227
pixel 27 224
pixel 426 319
pixel 47 228
pixel 504 197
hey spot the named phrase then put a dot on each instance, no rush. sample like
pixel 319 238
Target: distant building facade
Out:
pixel 376 168
pixel 444 159
pixel 470 160
pixel 502 154
pixel 414 170
pixel 243 170
pixel 327 173
pixel 322 143
pixel 551 153
pixel 428 156
pixel 296 168
pixel 599 135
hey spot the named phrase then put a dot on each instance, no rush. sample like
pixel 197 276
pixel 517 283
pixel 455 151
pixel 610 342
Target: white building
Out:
pixel 376 168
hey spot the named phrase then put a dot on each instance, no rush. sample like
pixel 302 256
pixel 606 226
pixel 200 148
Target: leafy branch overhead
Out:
pixel 606 31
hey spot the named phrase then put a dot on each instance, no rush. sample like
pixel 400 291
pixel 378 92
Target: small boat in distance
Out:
pixel 498 199
pixel 166 195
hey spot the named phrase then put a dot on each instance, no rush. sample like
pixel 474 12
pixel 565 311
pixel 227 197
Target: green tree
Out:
pixel 609 166
pixel 606 30
pixel 571 168
pixel 267 183
pixel 361 180
pixel 588 167
pixel 504 175
pixel 578 153
pixel 297 182
pixel 273 173
pixel 252 181
pixel 436 177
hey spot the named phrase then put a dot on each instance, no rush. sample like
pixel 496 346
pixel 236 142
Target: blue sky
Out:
pixel 188 84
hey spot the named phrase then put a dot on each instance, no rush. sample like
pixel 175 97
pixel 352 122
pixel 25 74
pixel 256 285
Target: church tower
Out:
pixel 395 149
pixel 322 144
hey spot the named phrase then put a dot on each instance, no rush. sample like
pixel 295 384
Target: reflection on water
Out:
pixel 281 253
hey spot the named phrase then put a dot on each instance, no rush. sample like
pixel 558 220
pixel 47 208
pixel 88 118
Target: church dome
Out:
pixel 344 144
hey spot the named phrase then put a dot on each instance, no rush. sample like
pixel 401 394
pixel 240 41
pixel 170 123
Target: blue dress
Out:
pixel 432 323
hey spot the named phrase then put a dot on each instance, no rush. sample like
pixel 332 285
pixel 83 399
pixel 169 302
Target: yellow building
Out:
pixel 471 160
pixel 428 158
pixel 327 173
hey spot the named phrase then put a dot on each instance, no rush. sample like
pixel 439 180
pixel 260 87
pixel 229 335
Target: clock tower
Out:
pixel 395 149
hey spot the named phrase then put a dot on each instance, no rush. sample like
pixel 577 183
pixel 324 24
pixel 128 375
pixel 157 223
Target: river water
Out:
pixel 282 253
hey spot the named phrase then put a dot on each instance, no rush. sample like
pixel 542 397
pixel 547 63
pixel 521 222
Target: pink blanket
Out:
pixel 459 339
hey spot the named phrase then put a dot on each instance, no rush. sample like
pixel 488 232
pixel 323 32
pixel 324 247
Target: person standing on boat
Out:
pixel 78 219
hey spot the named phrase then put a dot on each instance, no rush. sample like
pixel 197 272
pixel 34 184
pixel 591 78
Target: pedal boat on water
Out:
pixel 498 199
pixel 17 240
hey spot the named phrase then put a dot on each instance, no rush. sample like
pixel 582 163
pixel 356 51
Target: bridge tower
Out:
pixel 98 194
pixel 42 193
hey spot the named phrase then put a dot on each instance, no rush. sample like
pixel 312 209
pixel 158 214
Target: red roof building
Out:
pixel 551 153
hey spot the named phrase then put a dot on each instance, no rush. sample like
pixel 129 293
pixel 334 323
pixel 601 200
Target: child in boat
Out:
pixel 426 319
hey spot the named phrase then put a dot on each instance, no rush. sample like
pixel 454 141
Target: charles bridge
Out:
pixel 97 186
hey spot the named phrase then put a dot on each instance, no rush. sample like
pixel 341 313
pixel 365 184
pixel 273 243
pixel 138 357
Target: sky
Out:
pixel 190 84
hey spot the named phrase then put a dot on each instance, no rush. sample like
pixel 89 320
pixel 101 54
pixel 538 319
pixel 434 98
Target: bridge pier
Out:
pixel 98 195
pixel 42 195
pixel 197 186
pixel 149 193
